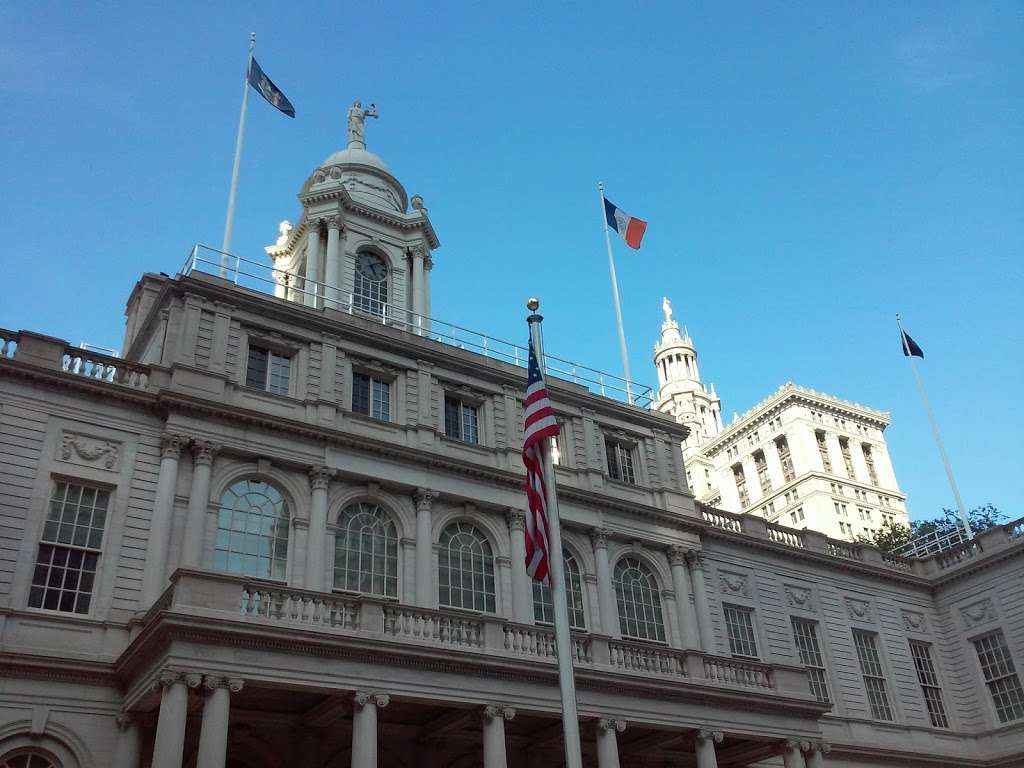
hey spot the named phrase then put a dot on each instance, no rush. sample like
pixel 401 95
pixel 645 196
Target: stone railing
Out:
pixel 785 536
pixel 954 555
pixel 1015 529
pixel 724 520
pixel 299 607
pixel 114 370
pixel 539 643
pixel 844 549
pixel 647 659
pixel 749 674
pixel 423 624
pixel 8 342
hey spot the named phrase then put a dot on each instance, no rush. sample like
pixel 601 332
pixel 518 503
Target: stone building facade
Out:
pixel 284 531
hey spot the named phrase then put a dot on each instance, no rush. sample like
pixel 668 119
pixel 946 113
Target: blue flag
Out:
pixel 268 90
pixel 910 347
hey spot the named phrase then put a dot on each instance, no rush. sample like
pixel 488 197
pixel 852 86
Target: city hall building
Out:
pixel 285 527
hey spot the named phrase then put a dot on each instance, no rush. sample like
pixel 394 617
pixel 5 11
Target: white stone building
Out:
pixel 799 457
pixel 284 530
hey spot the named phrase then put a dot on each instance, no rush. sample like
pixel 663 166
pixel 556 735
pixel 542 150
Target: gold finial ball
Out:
pixel 533 305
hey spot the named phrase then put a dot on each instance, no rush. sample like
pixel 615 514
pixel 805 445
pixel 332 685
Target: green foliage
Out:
pixel 893 535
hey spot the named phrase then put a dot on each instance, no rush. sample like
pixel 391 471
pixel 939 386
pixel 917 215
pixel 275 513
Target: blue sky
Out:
pixel 807 169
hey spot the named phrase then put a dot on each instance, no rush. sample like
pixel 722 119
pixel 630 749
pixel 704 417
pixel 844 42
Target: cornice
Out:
pixel 404 222
pixel 58 669
pixel 83 384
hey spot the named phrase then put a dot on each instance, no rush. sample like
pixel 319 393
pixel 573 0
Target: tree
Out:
pixel 893 535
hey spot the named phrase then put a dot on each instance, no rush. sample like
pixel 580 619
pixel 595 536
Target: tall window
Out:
pixel 1000 676
pixel 844 449
pixel 805 634
pixel 465 569
pixel 869 459
pixel 620 461
pixel 636 592
pixel 741 484
pixel 785 458
pixel 762 471
pixel 826 462
pixel 27 758
pixel 371 396
pixel 370 284
pixel 930 686
pixel 252 531
pixel 460 420
pixel 873 674
pixel 268 370
pixel 366 551
pixel 543 607
pixel 740 627
pixel 69 551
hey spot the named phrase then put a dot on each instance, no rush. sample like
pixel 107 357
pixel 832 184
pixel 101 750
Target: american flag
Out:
pixel 538 425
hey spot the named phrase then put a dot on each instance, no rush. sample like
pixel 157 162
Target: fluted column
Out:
pixel 319 481
pixel 522 589
pixel 198 501
pixel 425 595
pixel 364 728
pixel 705 749
pixel 154 576
pixel 814 754
pixel 685 610
pixel 608 742
pixel 791 753
pixel 213 737
pixel 494 718
pixel 700 600
pixel 605 589
pixel 332 269
pixel 128 751
pixel 311 297
pixel 418 293
pixel 170 725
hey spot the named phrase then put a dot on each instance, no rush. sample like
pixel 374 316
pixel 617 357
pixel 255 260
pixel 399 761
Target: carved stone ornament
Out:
pixel 212 682
pixel 494 712
pixel 799 597
pixel 320 478
pixel 379 700
pixel 516 520
pixel 816 746
pixel 695 558
pixel 90 451
pixel 715 736
pixel 334 222
pixel 607 724
pixel 914 621
pixel 203 452
pixel 978 613
pixel 124 720
pixel 599 537
pixel 171 445
pixel 734 583
pixel 677 555
pixel 859 610
pixel 424 498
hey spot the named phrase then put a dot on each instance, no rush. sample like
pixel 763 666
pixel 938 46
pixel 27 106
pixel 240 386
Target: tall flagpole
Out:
pixel 556 572
pixel 615 297
pixel 229 223
pixel 935 433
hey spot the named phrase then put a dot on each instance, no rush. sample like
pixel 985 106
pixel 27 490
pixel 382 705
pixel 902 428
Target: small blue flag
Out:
pixel 268 90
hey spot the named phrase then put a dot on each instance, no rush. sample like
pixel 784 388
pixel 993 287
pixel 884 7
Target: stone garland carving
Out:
pixel 859 610
pixel 914 621
pixel 978 613
pixel 734 583
pixel 799 597
pixel 90 450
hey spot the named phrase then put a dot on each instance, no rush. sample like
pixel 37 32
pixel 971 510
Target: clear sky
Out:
pixel 808 170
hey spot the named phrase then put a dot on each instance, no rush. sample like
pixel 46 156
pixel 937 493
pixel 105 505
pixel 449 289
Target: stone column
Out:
pixel 814 754
pixel 332 269
pixel 494 718
pixel 608 743
pixel 605 589
pixel 154 576
pixel 311 296
pixel 213 738
pixel 425 595
pixel 364 728
pixel 700 599
pixel 428 265
pixel 688 632
pixel 198 502
pixel 791 753
pixel 319 480
pixel 129 747
pixel 706 741
pixel 418 293
pixel 522 589
pixel 170 725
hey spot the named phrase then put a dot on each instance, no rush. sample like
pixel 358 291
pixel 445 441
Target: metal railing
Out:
pixel 316 295
pixel 932 543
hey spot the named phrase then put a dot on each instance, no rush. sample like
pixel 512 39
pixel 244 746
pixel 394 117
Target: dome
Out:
pixel 354 156
pixel 364 175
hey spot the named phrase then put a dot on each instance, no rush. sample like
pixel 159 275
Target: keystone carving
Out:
pixel 978 613
pixel 89 450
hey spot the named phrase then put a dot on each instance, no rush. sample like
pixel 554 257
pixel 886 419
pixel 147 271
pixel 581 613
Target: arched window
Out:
pixel 370 284
pixel 543 606
pixel 366 551
pixel 636 591
pixel 28 758
pixel 252 531
pixel 465 569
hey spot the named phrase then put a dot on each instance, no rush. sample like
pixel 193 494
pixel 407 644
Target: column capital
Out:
pixel 379 700
pixel 516 519
pixel 800 744
pixel 599 537
pixel 320 477
pixel 424 498
pixel 498 712
pixel 313 224
pixel 609 724
pixel 695 557
pixel 333 222
pixel 705 735
pixel 816 746
pixel 124 720
pixel 677 554
pixel 203 452
pixel 171 445
pixel 418 252
pixel 212 682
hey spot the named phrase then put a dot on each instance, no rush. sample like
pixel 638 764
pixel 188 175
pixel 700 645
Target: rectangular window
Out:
pixel 870 461
pixel 782 445
pixel 805 634
pixel 1000 676
pixel 798 515
pixel 762 471
pixel 922 654
pixel 460 420
pixel 371 396
pixel 826 462
pixel 741 484
pixel 873 674
pixel 268 370
pixel 620 461
pixel 844 449
pixel 69 550
pixel 740 627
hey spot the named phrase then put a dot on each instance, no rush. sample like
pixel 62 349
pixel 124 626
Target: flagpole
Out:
pixel 229 223
pixel 935 432
pixel 556 572
pixel 615 297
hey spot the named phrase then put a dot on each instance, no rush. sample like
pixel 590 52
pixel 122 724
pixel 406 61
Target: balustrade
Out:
pixel 785 536
pixel 722 520
pixel 750 674
pixel 114 370
pixel 8 342
pixel 433 626
pixel 312 609
pixel 634 657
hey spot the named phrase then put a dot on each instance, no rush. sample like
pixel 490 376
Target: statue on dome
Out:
pixel 357 123
pixel 666 307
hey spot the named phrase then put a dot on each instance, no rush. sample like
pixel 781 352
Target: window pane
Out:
pixel 256 371
pixel 453 417
pixel 639 602
pixel 465 569
pixel 366 551
pixel 874 676
pixel 360 393
pixel 252 530
pixel 740 629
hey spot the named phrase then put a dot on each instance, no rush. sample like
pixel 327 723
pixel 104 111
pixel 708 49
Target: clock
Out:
pixel 371 266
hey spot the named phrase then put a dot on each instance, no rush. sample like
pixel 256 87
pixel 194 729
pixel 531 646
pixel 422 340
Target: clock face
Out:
pixel 371 266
